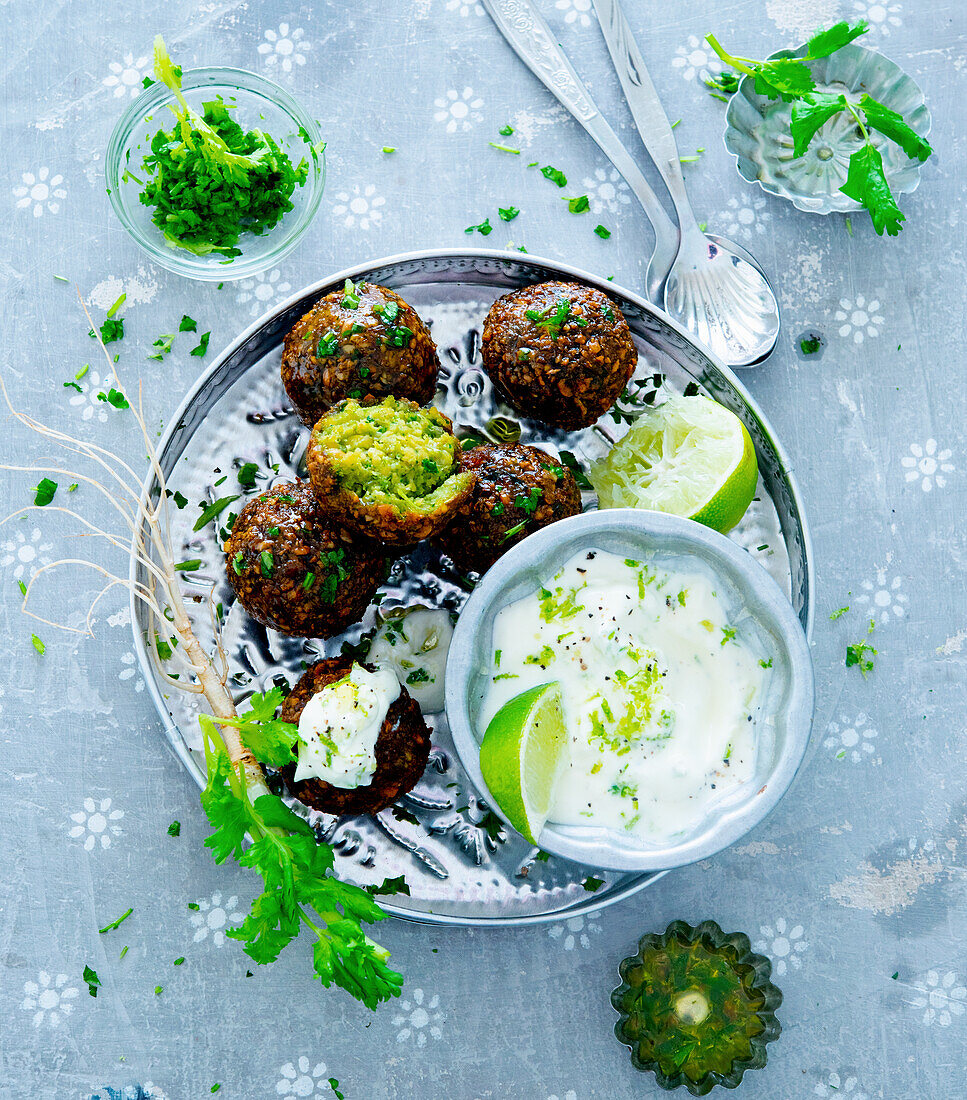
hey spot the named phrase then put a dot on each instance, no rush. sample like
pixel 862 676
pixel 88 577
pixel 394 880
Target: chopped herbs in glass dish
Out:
pixel 696 1007
pixel 216 172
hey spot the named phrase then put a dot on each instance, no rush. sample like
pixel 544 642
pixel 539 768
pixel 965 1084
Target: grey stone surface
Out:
pixel 859 874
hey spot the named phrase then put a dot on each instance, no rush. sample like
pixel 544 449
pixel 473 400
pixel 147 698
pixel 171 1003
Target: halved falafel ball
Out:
pixel 560 352
pixel 361 341
pixel 519 490
pixel 389 469
pixel 402 748
pixel 294 570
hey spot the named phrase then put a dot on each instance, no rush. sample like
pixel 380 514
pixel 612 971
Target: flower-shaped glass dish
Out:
pixel 260 105
pixel 785 716
pixel 696 1007
pixel 757 131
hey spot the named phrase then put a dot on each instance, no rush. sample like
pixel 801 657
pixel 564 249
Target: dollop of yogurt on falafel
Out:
pixel 339 727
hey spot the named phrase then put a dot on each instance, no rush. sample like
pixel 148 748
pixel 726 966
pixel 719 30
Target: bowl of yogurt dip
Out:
pixel 685 677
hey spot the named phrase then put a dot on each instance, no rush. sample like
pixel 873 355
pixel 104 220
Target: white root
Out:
pixel 148 542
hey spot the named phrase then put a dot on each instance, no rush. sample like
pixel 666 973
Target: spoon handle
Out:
pixel 645 103
pixel 531 39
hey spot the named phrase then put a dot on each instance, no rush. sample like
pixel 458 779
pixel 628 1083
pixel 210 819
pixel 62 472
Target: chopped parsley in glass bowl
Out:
pixel 222 217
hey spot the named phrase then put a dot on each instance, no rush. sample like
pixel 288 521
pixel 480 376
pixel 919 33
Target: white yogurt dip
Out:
pixel 339 726
pixel 661 688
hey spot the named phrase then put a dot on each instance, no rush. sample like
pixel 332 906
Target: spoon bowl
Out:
pixel 716 290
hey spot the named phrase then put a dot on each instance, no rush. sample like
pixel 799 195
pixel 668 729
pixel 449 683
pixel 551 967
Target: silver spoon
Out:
pixel 531 39
pixel 714 287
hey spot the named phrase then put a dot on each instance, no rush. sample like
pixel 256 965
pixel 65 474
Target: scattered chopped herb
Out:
pixel 334 1083
pixel 114 398
pixel 93 981
pixel 62 278
pixel 515 530
pixel 22 587
pixel 418 676
pixel 158 990
pixel 350 295
pixel 506 131
pixel 238 561
pixel 507 213
pixel 164 344
pixel 541 857
pixel 603 233
pixel 112 330
pixel 504 148
pixel 763 663
pixel 44 492
pixel 728 634
pixel 555 175
pixel 692 157
pixel 193 905
pixel 174 829
pixel 73 386
pixel 179 498
pixel 118 302
pixel 574 465
pixel 188 566
pixel 124 951
pixel 554 321
pixel 202 346
pixel 267 563
pixel 115 923
pixel 212 510
pixel 179 961
pixel 484 227
pixel 38 644
pixel 389 148
pixel 187 324
pixel 860 654
pixel 246 474
pixel 307 581
pixel 809 345
pixel 839 612
pixel 215 1087
pixel 592 884
pixel 722 85
pixel 579 204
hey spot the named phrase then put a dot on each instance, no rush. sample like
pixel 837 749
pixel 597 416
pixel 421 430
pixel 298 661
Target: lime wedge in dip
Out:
pixel 522 754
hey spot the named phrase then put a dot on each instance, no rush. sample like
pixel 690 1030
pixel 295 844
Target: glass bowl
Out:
pixel 757 131
pixel 785 719
pixel 261 105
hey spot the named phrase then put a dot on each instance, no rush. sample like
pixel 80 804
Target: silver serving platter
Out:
pixel 461 864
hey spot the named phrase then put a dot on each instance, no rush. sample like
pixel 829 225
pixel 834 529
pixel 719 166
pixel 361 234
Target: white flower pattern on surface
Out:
pixel 851 740
pixel 262 289
pixel 858 319
pixel 883 598
pixel 606 190
pixel 40 192
pixel 213 916
pixel 419 1017
pixel 360 208
pixel 463 8
pixel 97 823
pixel 284 48
pixel 49 999
pixel 126 76
pixel 744 216
pixel 695 59
pixel 928 464
pixel 783 944
pixel 940 999
pixel 130 670
pixel 459 110
pixel 87 400
pixel 24 554
pixel 574 932
pixel 881 17
pixel 840 1085
pixel 576 11
pixel 301 1078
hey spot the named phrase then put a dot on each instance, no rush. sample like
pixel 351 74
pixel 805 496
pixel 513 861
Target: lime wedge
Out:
pixel 521 756
pixel 691 457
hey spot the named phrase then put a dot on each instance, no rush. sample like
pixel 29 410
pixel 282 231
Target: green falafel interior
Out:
pixel 393 453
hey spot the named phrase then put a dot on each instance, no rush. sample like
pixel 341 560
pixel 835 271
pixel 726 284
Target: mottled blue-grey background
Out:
pixel 859 875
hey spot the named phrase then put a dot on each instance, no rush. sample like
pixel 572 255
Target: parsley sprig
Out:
pixel 791 80
pixel 299 886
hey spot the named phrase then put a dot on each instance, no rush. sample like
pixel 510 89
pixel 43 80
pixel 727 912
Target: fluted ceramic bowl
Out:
pixel 757 131
pixel 785 716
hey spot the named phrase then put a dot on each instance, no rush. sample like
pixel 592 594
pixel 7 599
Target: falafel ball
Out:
pixel 389 469
pixel 294 570
pixel 562 353
pixel 519 490
pixel 402 748
pixel 361 341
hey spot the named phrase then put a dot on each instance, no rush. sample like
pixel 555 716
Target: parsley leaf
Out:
pixel 861 654
pixel 396 885
pixel 579 204
pixel 44 492
pixel 93 981
pixel 834 38
pixel 555 175
pixel 210 511
pixel 484 227
pixel 809 114
pixel 866 183
pixel 891 125
pixel 603 233
pixel 202 344
pixel 187 324
pixel 507 213
pixel 297 878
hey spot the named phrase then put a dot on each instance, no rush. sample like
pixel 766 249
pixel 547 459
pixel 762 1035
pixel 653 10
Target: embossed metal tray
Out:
pixel 461 865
